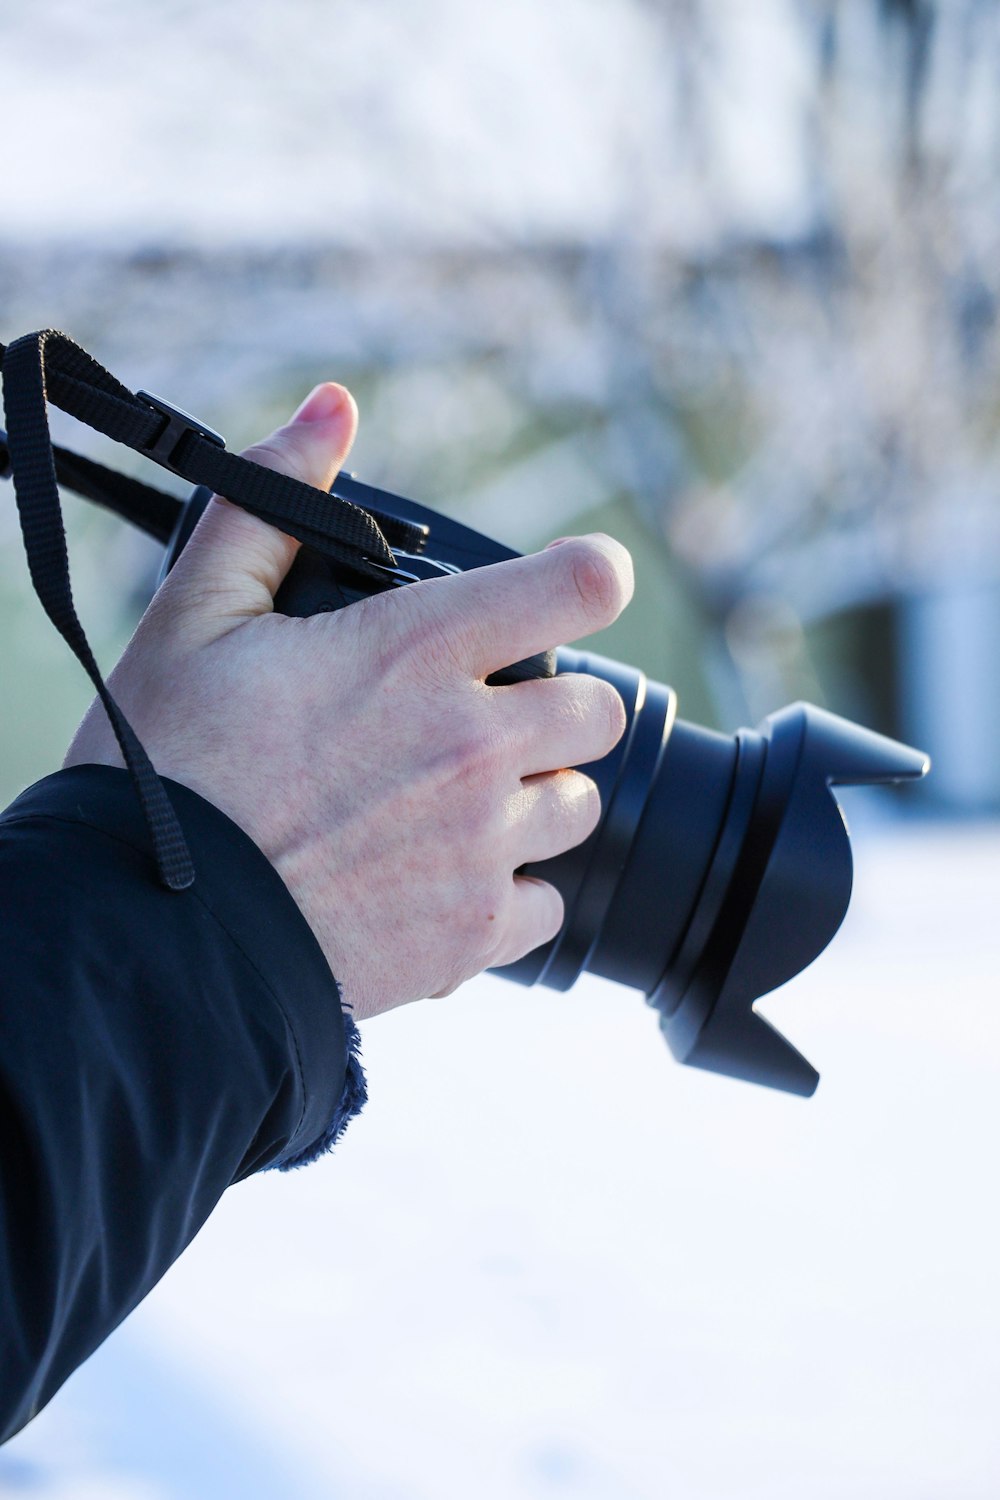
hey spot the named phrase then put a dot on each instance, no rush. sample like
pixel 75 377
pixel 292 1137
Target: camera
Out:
pixel 721 865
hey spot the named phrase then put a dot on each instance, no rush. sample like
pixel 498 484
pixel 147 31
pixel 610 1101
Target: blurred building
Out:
pixel 721 278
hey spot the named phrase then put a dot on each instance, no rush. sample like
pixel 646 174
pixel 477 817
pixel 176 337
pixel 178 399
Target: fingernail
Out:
pixel 557 543
pixel 321 404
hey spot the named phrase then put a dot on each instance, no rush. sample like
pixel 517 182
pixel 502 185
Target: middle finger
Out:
pixel 553 723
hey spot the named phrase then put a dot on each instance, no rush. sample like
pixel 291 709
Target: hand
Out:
pixel 394 792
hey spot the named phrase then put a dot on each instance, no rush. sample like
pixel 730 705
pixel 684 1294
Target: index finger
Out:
pixel 493 616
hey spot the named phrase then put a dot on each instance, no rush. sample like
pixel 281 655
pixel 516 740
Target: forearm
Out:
pixel 154 1048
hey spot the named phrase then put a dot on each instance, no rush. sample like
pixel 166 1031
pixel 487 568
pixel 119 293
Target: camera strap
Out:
pixel 48 367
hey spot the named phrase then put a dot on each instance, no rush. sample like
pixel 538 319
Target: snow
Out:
pixel 547 1261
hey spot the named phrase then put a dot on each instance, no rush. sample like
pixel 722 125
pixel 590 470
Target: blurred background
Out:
pixel 720 278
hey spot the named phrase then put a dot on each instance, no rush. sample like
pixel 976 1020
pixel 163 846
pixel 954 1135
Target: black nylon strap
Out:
pixel 37 494
pixel 331 525
pixel 49 366
pixel 153 511
pixel 335 527
pixel 156 512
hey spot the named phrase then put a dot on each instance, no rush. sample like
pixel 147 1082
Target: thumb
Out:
pixel 234 563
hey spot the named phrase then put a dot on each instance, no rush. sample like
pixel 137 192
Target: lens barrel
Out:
pixel 720 868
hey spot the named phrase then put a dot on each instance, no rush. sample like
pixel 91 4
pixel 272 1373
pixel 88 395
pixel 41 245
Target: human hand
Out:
pixel 392 789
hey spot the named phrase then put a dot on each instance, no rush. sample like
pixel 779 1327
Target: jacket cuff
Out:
pixel 240 889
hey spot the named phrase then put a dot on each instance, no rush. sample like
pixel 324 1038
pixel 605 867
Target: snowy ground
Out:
pixel 548 1262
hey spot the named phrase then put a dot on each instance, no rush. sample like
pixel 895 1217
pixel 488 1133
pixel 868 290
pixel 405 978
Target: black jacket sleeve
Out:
pixel 155 1046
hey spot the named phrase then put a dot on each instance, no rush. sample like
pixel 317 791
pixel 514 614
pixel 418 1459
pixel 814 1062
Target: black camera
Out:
pixel 721 865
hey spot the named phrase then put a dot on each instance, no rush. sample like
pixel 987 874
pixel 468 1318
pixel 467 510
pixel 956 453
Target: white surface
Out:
pixel 549 1262
pixel 392 124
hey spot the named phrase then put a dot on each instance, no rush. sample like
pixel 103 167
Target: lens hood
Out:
pixel 721 868
pixel 777 891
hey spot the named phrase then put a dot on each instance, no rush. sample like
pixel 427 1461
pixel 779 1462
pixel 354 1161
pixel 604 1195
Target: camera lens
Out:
pixel 720 868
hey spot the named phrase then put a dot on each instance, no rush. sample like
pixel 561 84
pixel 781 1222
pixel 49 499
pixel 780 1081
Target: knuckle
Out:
pixel 597 710
pixel 550 914
pixel 556 917
pixel 409 651
pixel 428 645
pixel 589 801
pixel 473 753
pixel 576 809
pixel 600 571
pixel 612 710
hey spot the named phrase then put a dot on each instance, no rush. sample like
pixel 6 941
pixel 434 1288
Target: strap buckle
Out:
pixel 178 424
